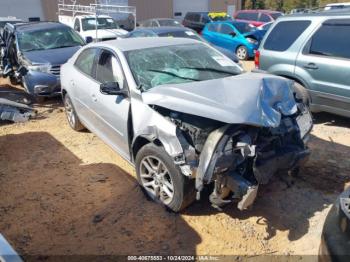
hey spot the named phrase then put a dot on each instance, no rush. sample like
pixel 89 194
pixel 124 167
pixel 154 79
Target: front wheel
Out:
pixel 161 180
pixel 72 116
pixel 242 53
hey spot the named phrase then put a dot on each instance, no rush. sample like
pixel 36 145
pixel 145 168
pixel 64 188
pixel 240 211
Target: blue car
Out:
pixel 239 37
pixel 184 32
pixel 34 53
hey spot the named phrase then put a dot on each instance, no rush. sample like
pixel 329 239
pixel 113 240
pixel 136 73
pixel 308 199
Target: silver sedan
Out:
pixel 186 116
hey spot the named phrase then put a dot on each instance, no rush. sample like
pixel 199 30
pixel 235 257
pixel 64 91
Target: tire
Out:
pixel 161 173
pixel 72 117
pixel 242 52
pixel 302 94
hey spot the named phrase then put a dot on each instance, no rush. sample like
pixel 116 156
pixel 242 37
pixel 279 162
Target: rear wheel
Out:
pixel 72 116
pixel 242 52
pixel 302 94
pixel 161 180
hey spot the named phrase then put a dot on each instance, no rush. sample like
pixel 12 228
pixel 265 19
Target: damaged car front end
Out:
pixel 190 118
pixel 237 142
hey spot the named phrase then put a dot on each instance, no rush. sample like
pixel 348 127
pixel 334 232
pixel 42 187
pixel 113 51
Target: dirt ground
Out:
pixel 64 192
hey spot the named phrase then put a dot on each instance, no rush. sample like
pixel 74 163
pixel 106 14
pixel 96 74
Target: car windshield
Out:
pixel 178 64
pixel 276 15
pixel 244 27
pixel 184 34
pixel 169 22
pixel 102 23
pixel 48 39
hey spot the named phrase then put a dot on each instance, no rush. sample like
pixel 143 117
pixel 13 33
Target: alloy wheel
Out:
pixel 156 180
pixel 69 112
pixel 241 53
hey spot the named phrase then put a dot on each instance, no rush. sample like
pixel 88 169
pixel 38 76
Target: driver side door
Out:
pixel 111 111
pixel 227 37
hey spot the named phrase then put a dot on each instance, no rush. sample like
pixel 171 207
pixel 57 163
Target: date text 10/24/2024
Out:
pixel 172 258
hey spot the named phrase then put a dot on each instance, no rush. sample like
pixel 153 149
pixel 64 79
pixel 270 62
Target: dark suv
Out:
pixel 32 54
pixel 197 20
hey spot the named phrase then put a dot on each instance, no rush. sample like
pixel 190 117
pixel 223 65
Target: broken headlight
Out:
pixel 43 68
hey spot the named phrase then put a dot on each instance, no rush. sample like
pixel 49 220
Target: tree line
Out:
pixel 286 5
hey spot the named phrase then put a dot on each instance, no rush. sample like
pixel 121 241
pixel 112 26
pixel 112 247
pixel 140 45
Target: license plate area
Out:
pixel 304 122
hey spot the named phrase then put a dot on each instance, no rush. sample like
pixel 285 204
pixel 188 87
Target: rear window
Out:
pixel 248 16
pixel 330 39
pixel 184 34
pixel 275 15
pixel 284 34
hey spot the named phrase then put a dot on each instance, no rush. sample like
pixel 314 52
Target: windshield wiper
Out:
pixel 62 46
pixel 172 74
pixel 211 70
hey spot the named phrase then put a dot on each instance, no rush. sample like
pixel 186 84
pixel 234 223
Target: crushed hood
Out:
pixel 251 98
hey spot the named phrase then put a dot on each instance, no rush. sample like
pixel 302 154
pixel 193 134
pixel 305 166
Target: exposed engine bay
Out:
pixel 237 158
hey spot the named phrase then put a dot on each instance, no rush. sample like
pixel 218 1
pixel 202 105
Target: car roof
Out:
pixel 129 44
pixel 258 11
pixel 163 29
pixel 34 26
pixel 10 18
pixel 323 14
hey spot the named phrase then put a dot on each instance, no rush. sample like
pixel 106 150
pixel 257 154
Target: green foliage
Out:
pixel 286 5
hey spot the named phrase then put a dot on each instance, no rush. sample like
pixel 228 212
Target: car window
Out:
pixel 264 18
pixel 330 39
pixel 181 33
pixel 169 22
pixel 276 15
pixel 213 27
pixel 205 19
pixel 225 29
pixel 177 64
pixel 108 69
pixel 154 24
pixel 284 34
pixel 85 61
pixel 141 34
pixel 77 25
pixel 196 17
pixel 248 16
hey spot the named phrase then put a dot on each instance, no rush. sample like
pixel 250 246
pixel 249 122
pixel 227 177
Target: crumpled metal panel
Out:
pixel 15 112
pixel 251 98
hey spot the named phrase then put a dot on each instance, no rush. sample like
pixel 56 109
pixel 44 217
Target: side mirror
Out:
pixel 112 88
pixel 233 34
pixel 89 39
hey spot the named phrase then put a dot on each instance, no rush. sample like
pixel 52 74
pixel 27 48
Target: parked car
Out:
pixel 85 25
pixel 239 37
pixel 197 20
pixel 9 19
pixel 159 22
pixel 178 32
pixel 34 53
pixel 337 6
pixel 313 50
pixel 185 116
pixel 335 241
pixel 257 17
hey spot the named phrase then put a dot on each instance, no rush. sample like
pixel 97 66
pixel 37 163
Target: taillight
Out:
pixel 257 59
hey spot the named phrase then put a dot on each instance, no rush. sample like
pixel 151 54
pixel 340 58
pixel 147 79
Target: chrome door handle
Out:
pixel 312 66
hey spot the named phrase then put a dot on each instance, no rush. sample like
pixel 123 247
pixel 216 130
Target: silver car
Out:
pixel 185 116
pixel 314 51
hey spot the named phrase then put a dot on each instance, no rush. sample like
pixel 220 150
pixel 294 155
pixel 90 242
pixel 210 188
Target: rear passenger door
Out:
pixel 325 60
pixel 80 87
